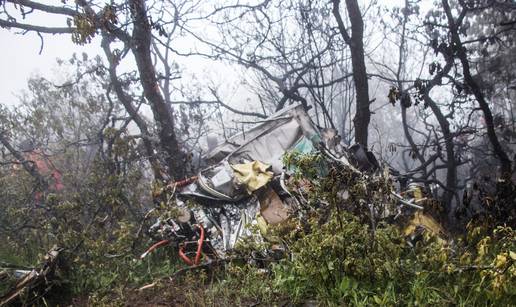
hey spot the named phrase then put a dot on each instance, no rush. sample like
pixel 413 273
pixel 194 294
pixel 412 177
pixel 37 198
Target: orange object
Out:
pixel 153 247
pixel 197 258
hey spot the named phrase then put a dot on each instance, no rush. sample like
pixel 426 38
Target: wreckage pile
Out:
pixel 280 172
pixel 287 190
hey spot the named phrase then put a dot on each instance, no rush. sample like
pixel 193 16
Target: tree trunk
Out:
pixel 141 43
pixel 129 107
pixel 356 45
pixel 477 92
pixel 451 163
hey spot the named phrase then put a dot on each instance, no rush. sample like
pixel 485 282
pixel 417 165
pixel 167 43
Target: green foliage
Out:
pixel 242 283
pixel 348 265
pixel 343 261
pixel 307 166
pixel 98 228
pixel 334 256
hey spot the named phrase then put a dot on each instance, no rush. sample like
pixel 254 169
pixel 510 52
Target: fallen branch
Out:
pixel 34 279
pixel 408 203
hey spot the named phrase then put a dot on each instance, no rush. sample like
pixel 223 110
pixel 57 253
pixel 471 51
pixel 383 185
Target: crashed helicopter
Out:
pixel 248 186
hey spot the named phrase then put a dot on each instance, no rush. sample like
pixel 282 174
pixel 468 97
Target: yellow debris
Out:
pixel 428 222
pixel 253 175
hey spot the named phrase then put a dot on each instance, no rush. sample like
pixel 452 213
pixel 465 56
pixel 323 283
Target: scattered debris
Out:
pixel 34 283
pixel 250 186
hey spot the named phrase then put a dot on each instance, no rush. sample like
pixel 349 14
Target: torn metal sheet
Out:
pixel 219 181
pixel 268 141
pixel 263 145
pixel 194 190
pixel 243 166
pixel 224 225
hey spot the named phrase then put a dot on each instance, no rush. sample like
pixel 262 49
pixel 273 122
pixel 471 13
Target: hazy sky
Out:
pixel 20 56
pixel 21 59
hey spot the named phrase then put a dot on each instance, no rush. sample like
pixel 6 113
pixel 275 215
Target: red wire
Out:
pixel 199 245
pixel 184 182
pixel 183 256
pixel 153 247
pixel 197 258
